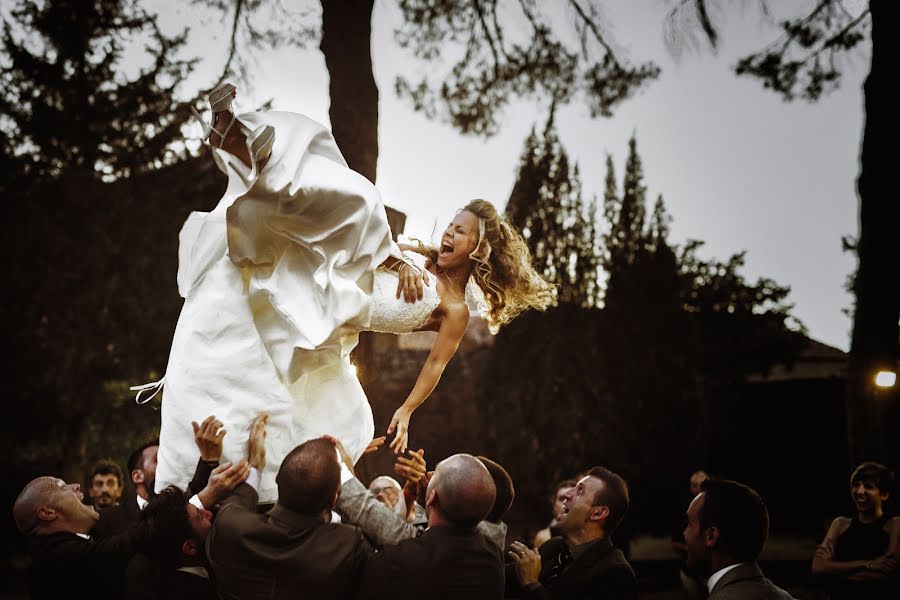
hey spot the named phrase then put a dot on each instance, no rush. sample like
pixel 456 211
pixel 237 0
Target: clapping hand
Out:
pixel 528 563
pixel 208 437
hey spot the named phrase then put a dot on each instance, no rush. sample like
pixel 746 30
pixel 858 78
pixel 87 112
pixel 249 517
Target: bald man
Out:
pixel 450 559
pixel 50 513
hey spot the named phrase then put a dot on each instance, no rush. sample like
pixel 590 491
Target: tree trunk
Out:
pixel 347 48
pixel 870 410
pixel 346 45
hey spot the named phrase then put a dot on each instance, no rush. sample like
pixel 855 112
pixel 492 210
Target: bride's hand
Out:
pixel 410 282
pixel 400 422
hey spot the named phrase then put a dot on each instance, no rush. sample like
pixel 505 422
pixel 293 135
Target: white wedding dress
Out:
pixel 278 281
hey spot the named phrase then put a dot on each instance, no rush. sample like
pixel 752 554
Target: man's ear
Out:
pixel 598 513
pixel 711 537
pixel 190 548
pixel 432 498
pixel 46 513
pixel 137 476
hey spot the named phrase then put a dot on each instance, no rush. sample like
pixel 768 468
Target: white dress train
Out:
pixel 278 280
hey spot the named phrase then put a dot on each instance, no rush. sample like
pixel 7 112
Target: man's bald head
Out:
pixel 39 492
pixel 50 504
pixel 462 490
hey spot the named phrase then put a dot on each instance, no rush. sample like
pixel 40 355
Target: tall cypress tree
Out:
pixel 68 103
pixel 546 204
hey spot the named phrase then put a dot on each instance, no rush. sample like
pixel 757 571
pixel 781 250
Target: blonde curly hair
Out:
pixel 503 270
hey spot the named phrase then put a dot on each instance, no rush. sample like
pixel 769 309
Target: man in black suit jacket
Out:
pixel 173 564
pixel 582 563
pixel 727 529
pixel 450 559
pixel 51 515
pixel 293 550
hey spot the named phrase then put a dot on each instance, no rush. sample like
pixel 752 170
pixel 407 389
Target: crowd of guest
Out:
pixel 440 534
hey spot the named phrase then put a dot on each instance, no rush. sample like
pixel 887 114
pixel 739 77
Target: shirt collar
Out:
pixel 715 577
pixel 198 571
pixel 141 503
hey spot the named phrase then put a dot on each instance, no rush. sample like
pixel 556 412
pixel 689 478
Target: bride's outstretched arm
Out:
pixel 450 334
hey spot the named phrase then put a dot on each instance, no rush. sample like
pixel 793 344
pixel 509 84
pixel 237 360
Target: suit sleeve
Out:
pixel 201 476
pixel 385 528
pixel 231 520
pixel 112 553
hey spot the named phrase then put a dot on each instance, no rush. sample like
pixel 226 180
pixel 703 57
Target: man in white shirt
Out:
pixel 727 529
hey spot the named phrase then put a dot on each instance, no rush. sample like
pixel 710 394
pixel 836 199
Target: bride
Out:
pixel 279 279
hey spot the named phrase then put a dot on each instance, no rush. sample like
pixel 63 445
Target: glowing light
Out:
pixel 885 379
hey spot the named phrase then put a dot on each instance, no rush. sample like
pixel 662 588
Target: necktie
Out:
pixel 563 560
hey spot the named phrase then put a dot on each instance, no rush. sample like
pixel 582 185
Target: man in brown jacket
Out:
pixel 293 550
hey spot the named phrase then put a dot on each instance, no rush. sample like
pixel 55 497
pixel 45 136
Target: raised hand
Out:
pixel 256 444
pixel 422 488
pixel 223 480
pixel 208 437
pixel 345 456
pixel 412 468
pixel 374 445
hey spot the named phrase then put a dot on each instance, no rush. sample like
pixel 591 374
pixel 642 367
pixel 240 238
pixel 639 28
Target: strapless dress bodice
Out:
pixel 395 315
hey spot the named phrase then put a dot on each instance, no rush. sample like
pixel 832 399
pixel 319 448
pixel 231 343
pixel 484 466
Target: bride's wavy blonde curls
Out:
pixel 503 269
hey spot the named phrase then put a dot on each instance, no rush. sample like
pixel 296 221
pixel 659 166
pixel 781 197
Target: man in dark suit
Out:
pixel 293 550
pixel 450 559
pixel 51 515
pixel 727 529
pixel 582 562
pixel 208 437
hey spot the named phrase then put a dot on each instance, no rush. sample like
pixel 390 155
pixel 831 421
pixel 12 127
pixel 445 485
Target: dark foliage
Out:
pixel 67 104
pixel 546 205
pixel 646 377
pixel 494 67
pixel 95 197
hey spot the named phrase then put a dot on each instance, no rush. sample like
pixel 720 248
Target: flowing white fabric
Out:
pixel 277 282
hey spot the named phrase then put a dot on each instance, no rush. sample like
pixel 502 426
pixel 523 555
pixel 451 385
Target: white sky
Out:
pixel 737 166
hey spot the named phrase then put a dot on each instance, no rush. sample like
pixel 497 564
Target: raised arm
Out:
pixel 450 334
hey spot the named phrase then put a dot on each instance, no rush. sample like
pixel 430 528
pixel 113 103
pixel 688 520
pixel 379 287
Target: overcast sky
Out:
pixel 738 167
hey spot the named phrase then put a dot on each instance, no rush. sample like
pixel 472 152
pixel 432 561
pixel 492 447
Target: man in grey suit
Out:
pixel 727 529
pixel 384 527
pixel 450 559
pixel 293 550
